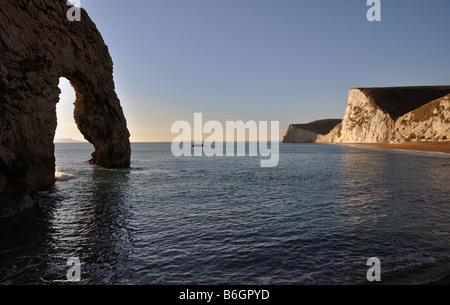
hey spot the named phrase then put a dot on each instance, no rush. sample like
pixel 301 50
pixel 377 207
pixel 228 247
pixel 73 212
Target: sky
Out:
pixel 291 61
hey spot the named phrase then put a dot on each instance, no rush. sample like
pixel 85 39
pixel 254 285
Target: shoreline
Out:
pixel 440 146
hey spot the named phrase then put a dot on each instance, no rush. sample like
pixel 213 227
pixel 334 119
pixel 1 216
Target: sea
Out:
pixel 317 218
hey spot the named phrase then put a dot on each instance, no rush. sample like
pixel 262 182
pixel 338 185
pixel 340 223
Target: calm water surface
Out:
pixel 314 219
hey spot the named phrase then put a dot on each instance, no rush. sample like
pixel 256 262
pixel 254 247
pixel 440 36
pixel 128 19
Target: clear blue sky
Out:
pixel 291 61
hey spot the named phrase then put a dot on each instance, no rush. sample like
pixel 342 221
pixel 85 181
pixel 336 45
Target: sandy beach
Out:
pixel 441 146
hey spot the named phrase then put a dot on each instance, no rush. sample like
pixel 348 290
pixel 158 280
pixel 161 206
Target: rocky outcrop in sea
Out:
pixel 38 46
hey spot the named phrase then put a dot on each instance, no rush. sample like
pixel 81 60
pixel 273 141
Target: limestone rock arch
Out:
pixel 38 45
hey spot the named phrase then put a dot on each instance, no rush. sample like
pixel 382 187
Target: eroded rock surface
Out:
pixel 38 45
pixel 395 115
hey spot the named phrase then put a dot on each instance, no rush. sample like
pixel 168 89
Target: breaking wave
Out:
pixel 60 176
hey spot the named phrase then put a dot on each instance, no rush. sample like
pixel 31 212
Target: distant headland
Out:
pixel 67 140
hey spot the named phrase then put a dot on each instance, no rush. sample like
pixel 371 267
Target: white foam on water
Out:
pixel 60 176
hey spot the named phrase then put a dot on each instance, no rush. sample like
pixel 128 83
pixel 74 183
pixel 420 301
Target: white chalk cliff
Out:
pixel 396 115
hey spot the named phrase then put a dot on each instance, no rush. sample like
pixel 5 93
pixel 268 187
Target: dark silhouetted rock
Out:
pixel 38 45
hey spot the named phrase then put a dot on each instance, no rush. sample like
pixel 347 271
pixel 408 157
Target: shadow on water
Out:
pixel 87 219
pixel 103 237
pixel 26 242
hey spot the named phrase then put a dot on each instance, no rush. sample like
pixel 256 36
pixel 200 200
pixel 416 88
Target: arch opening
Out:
pixel 67 130
pixel 67 133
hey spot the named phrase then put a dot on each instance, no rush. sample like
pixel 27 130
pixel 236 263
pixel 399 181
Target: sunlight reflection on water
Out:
pixel 313 219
